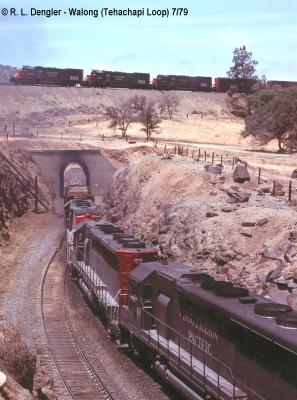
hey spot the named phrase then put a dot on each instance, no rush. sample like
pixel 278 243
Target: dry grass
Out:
pixel 15 355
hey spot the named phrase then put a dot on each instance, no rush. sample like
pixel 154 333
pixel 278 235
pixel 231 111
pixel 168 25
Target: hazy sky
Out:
pixel 200 43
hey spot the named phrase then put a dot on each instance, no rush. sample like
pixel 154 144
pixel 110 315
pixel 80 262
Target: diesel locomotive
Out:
pixel 47 76
pixel 205 337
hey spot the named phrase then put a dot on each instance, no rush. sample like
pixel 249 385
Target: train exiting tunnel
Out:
pixel 97 169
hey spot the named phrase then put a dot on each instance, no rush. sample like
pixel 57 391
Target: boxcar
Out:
pixel 238 85
pixel 283 84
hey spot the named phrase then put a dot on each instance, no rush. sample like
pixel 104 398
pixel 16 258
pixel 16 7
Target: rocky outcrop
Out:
pixel 15 197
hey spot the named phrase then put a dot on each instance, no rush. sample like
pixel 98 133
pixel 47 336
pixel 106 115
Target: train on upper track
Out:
pixel 205 337
pixel 133 80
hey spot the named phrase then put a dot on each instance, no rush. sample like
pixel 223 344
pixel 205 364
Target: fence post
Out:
pixel 259 176
pixel 187 152
pixel 212 158
pixel 232 162
pixel 193 153
pixel 221 160
pixel 290 191
pixel 205 155
pixel 36 194
pixel 13 129
pixel 273 189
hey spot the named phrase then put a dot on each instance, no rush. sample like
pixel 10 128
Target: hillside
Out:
pixel 46 111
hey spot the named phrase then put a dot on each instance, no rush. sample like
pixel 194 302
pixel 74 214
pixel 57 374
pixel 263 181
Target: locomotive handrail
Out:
pixel 234 380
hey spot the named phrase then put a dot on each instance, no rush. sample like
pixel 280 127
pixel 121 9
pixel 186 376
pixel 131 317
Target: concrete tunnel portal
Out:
pixel 97 169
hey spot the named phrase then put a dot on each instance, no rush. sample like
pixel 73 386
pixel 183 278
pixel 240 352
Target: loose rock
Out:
pixel 211 214
pixel 213 169
pixel 262 221
pixel 246 231
pixel 241 174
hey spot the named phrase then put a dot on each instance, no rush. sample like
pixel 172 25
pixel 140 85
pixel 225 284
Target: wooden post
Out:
pixel 182 150
pixel 259 176
pixel 221 160
pixel 175 149
pixel 165 149
pixel 212 158
pixel 198 154
pixel 205 155
pixel 232 162
pixel 13 129
pixel 193 153
pixel 36 194
pixel 290 191
pixel 187 152
pixel 273 189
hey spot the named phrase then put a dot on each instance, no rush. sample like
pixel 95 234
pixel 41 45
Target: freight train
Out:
pixel 131 80
pixel 205 337
pixel 134 80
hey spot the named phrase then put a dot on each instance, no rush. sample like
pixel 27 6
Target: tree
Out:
pixel 273 117
pixel 121 116
pixel 168 104
pixel 147 115
pixel 244 66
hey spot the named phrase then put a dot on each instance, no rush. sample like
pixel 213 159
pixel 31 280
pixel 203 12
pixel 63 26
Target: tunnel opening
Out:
pixel 73 174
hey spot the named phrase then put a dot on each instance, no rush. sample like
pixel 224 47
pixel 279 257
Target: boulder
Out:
pixel 2 379
pixel 213 169
pixel 294 174
pixel 276 272
pixel 227 209
pixel 223 256
pixel 211 214
pixel 248 223
pixel 278 251
pixel 164 229
pixel 240 174
pixel 246 231
pixel 293 236
pixel 262 221
pixel 238 197
pixel 265 189
pixel 278 189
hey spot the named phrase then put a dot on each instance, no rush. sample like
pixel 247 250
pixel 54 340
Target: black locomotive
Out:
pixel 47 76
pixel 206 338
pixel 130 80
pixel 181 82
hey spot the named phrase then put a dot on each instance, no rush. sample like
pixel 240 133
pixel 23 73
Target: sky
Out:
pixel 199 43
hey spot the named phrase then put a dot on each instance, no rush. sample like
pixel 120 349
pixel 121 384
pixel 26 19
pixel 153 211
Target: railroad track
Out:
pixel 79 377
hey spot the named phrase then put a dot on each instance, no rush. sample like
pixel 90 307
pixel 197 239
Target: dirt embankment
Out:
pixel 15 196
pixel 236 231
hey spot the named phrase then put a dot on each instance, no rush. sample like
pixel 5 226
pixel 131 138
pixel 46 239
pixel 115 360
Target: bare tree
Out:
pixel 168 104
pixel 121 116
pixel 149 118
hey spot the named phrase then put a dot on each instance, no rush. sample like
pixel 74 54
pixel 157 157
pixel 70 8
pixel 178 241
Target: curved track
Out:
pixel 77 374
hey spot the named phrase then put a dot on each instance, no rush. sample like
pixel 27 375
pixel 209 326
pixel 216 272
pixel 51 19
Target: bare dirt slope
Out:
pixel 46 112
pixel 186 211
